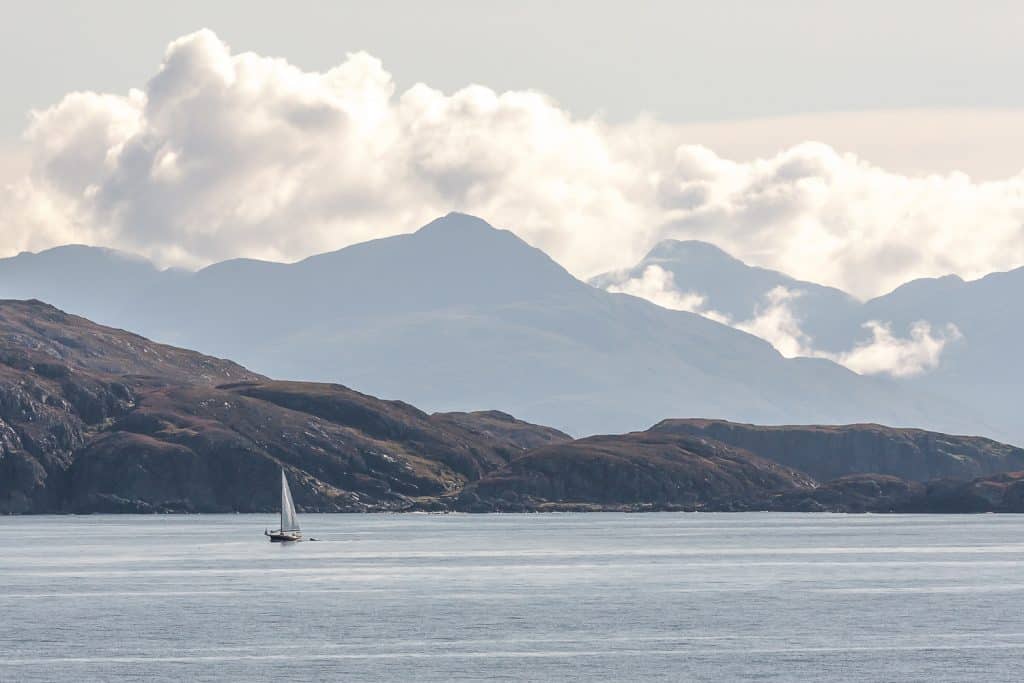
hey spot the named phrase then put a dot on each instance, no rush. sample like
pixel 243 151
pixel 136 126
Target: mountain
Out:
pixel 96 281
pixel 980 369
pixel 98 419
pixel 983 369
pixel 461 316
pixel 733 288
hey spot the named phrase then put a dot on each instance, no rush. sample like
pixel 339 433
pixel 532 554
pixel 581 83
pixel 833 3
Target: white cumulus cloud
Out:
pixel 658 286
pixel 776 323
pixel 900 357
pixel 224 154
pixel 883 353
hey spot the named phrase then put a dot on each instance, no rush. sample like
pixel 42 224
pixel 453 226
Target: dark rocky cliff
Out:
pixel 717 465
pixel 633 471
pixel 97 419
pixel 830 452
pixel 1002 492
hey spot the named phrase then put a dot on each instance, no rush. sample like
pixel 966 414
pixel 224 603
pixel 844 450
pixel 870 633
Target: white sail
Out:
pixel 288 520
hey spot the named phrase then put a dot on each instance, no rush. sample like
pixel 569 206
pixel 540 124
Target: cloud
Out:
pixel 776 322
pixel 658 286
pixel 885 353
pixel 227 154
pixel 985 143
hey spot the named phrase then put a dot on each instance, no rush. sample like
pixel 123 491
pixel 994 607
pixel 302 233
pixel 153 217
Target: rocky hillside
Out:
pixel 97 419
pixel 94 419
pixel 718 465
pixel 830 452
pixel 643 470
pixel 882 493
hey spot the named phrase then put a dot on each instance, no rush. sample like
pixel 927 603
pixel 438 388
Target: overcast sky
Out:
pixel 685 61
pixel 918 105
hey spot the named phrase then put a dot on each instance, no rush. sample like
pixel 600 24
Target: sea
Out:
pixel 533 597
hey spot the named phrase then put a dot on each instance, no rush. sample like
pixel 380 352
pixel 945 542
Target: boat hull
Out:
pixel 284 537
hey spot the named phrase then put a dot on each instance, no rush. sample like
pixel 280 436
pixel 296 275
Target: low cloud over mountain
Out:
pixel 221 155
pixel 776 322
pixel 944 335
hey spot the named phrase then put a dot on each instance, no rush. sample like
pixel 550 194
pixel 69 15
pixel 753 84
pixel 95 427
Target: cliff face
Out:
pixel 830 452
pixel 96 419
pixel 881 493
pixel 633 471
pixel 63 380
pixel 717 465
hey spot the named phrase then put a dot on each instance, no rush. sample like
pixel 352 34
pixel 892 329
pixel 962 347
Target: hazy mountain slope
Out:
pixel 979 369
pixel 92 281
pixel 983 368
pixel 461 316
pixel 733 288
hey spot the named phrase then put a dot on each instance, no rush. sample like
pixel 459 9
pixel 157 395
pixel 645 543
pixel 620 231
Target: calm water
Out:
pixel 514 597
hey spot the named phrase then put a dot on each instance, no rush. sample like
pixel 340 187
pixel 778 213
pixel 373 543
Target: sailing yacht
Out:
pixel 289 530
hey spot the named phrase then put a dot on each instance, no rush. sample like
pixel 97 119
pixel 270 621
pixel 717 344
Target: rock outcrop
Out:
pixel 643 470
pixel 830 452
pixel 882 493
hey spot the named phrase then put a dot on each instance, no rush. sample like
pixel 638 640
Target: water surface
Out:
pixel 766 597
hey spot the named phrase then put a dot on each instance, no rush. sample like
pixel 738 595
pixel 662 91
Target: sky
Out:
pixel 855 144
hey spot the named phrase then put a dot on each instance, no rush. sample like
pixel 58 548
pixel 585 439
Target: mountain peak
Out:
pixel 688 250
pixel 457 223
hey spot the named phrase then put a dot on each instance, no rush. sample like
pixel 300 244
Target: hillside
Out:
pixel 97 419
pixel 643 470
pixel 830 452
pixel 716 465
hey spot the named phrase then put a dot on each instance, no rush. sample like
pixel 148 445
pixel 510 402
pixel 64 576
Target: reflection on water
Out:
pixel 536 597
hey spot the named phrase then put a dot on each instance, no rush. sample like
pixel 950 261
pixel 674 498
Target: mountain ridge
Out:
pixel 944 336
pixel 461 316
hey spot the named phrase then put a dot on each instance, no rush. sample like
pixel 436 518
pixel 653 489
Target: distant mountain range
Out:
pixel 980 368
pixel 95 419
pixel 460 316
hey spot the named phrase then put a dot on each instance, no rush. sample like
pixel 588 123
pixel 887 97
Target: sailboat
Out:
pixel 289 530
